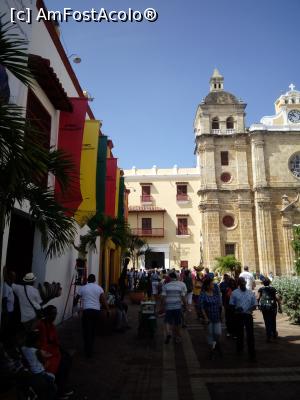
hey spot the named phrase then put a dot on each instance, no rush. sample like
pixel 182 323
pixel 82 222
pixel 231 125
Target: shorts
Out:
pixel 173 317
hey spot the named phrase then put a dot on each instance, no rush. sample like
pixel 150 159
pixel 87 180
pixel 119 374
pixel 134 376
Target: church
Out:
pixel 241 199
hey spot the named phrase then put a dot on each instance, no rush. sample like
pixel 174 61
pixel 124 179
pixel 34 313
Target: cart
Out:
pixel 147 319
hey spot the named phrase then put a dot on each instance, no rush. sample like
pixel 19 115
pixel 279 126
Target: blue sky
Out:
pixel 148 78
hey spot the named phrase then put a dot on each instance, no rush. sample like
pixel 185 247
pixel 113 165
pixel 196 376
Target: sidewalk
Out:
pixel 125 367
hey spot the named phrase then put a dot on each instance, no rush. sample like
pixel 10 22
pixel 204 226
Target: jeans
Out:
pixel 244 320
pixel 230 320
pixel 90 319
pixel 270 322
pixel 214 330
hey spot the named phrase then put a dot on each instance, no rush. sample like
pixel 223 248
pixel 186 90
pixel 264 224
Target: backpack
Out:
pixel 268 299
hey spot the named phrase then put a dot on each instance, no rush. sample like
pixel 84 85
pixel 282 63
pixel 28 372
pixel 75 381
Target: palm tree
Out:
pixel 108 228
pixel 24 161
pixel 136 248
pixel 228 264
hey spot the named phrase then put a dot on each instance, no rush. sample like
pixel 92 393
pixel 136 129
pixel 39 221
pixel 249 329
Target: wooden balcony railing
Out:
pixel 182 197
pixel 151 232
pixel 146 198
pixel 183 232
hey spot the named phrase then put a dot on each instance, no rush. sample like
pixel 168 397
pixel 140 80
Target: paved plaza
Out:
pixel 125 367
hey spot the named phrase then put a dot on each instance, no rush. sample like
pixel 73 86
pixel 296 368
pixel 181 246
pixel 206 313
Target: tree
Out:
pixel 228 264
pixel 136 247
pixel 108 228
pixel 25 162
pixel 296 247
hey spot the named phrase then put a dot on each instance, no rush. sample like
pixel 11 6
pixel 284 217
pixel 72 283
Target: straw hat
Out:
pixel 29 278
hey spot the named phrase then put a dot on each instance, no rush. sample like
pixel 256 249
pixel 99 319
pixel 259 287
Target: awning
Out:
pixel 49 82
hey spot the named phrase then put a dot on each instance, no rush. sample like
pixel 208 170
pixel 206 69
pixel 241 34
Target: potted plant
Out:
pixel 138 294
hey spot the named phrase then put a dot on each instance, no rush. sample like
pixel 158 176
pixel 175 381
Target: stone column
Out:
pixel 240 146
pixel 210 230
pixel 265 242
pixel 247 243
pixel 287 232
pixel 206 148
pixel 258 162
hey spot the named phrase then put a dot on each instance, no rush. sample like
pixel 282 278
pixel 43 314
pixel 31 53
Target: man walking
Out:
pixel 249 278
pixel 173 296
pixel 244 302
pixel 92 298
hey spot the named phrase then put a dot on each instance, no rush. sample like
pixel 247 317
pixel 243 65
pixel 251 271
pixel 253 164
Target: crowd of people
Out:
pixel 31 352
pixel 230 298
pixel 32 358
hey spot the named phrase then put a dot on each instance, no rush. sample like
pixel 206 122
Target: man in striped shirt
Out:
pixel 173 296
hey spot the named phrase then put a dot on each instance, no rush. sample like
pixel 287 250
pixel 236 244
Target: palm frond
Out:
pixel 57 230
pixel 14 53
pixel 61 165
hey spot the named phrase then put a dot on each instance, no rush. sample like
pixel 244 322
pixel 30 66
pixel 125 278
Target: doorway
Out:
pixel 20 244
pixel 155 259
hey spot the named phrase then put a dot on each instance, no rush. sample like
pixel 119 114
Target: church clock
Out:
pixel 294 116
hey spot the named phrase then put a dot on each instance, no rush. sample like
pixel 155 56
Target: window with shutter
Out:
pixel 182 224
pixel 224 158
pixel 229 249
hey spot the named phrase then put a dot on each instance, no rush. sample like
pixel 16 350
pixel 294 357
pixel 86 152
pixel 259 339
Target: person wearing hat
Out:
pixel 29 299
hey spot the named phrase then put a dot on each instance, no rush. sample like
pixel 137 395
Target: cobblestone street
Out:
pixel 125 367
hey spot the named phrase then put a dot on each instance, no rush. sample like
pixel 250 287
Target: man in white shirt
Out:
pixel 244 302
pixel 93 297
pixel 249 278
pixel 29 299
pixel 173 296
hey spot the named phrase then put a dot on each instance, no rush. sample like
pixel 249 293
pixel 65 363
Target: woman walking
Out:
pixel 267 301
pixel 211 308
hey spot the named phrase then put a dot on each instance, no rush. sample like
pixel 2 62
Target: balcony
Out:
pixel 230 131
pixel 216 131
pixel 150 232
pixel 182 198
pixel 146 199
pixel 183 232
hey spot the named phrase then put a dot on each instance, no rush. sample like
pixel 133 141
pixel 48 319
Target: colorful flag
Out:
pixel 70 137
pixel 88 171
pixel 110 186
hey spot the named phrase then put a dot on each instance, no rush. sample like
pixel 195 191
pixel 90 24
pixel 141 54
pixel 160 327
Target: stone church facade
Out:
pixel 249 181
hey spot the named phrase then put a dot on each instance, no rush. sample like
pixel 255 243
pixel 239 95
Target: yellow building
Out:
pixel 242 198
pixel 163 208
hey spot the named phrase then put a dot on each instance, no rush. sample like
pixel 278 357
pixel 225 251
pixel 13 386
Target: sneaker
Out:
pixel 168 338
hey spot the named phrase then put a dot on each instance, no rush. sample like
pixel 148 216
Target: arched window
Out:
pixel 229 123
pixel 215 123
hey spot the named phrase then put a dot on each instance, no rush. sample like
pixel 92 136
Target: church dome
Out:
pixel 220 97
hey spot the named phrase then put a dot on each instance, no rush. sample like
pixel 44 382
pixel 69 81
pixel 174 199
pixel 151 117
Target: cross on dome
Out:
pixel 292 87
